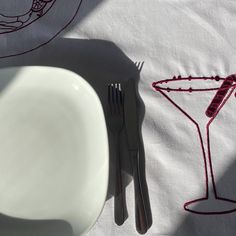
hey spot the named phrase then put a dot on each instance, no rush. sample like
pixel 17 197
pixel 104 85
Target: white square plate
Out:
pixel 54 147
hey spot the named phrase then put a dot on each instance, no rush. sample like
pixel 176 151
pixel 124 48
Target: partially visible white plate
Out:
pixel 53 147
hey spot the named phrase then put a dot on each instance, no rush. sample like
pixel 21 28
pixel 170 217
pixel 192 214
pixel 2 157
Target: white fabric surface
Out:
pixel 184 37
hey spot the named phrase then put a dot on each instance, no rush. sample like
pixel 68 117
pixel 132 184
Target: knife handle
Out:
pixel 140 210
pixel 120 204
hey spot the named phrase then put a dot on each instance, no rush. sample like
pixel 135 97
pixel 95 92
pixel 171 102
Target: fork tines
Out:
pixel 115 98
pixel 116 125
pixel 139 65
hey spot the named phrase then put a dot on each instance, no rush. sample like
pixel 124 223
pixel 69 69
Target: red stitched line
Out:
pixel 208 138
pixel 27 13
pixel 220 106
pixel 47 42
pixel 199 134
pixel 217 78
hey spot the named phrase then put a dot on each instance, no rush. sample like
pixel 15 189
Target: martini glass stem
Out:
pixel 210 187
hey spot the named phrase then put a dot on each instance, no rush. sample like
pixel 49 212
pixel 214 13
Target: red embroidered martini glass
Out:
pixel 217 91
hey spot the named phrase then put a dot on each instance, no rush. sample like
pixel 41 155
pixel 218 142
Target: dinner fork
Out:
pixel 116 124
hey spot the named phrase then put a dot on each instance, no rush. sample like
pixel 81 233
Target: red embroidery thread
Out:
pixel 220 205
pixel 38 9
pixel 13 23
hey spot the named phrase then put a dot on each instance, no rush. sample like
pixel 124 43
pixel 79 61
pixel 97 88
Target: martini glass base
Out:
pixel 211 206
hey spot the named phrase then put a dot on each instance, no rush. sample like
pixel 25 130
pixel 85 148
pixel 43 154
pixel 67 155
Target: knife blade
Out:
pixel 132 129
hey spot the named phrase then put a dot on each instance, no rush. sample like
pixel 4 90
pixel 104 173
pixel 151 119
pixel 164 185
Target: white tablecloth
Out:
pixel 184 37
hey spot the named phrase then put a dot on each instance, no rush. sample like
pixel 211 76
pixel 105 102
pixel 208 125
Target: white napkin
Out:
pixel 174 38
pixel 184 38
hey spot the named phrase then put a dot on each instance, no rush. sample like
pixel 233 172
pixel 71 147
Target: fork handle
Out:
pixel 119 190
pixel 140 210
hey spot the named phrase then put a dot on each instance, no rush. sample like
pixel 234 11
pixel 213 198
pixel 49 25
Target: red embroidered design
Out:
pixel 12 23
pixel 211 203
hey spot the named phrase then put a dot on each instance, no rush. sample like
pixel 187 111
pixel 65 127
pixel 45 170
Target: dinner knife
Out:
pixel 132 129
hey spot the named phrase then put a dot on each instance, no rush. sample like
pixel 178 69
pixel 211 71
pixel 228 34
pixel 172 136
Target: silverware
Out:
pixel 132 128
pixel 139 65
pixel 116 124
